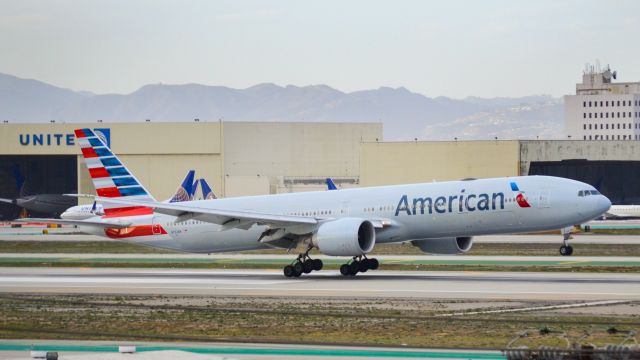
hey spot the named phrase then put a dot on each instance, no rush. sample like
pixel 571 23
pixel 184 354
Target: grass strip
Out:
pixel 54 320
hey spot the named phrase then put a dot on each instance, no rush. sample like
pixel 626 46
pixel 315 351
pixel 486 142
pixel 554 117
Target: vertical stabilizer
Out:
pixel 207 193
pixel 185 190
pixel 331 185
pixel 109 175
pixel 194 189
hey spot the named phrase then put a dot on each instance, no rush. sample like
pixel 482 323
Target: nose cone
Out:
pixel 603 204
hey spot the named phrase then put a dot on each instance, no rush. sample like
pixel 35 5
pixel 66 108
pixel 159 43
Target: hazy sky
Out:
pixel 450 48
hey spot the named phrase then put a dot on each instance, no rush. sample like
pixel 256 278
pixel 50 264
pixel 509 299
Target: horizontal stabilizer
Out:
pixel 107 224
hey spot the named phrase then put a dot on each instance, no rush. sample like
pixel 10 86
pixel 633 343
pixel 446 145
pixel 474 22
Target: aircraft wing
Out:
pixel 107 224
pixel 227 218
pixel 9 201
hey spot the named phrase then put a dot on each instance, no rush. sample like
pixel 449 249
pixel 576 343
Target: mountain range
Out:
pixel 406 115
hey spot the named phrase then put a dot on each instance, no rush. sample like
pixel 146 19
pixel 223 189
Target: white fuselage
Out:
pixel 624 211
pixel 82 212
pixel 451 209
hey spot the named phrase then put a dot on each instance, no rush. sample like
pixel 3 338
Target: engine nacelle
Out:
pixel 445 246
pixel 345 237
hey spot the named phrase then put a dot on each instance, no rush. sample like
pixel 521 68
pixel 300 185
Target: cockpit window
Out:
pixel 581 193
pixel 595 192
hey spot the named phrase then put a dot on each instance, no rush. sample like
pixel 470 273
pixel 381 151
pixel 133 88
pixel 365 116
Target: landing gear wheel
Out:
pixel 354 267
pixel 317 264
pixel 373 264
pixel 363 265
pixel 344 269
pixel 308 266
pixel 298 269
pixel 566 250
pixel 288 271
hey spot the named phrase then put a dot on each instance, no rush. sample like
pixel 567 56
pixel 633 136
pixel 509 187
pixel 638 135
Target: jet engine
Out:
pixel 445 246
pixel 345 237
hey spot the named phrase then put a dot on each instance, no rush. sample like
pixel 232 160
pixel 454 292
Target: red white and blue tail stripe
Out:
pixel 110 177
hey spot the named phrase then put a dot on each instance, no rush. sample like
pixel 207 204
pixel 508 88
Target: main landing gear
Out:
pixel 302 265
pixel 358 264
pixel 566 249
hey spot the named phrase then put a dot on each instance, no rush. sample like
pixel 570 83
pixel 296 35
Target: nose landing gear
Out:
pixel 359 264
pixel 302 265
pixel 566 249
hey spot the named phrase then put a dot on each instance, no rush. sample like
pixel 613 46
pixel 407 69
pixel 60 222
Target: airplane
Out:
pixel 83 212
pixel 438 218
pixel 623 211
pixel 53 204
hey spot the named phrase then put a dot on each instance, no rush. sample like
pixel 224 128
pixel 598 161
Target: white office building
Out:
pixel 602 109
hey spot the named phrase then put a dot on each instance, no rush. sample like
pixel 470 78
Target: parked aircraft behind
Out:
pixel 439 218
pixel 623 211
pixel 185 191
pixel 53 204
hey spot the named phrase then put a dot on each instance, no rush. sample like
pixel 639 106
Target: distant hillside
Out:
pixel 406 115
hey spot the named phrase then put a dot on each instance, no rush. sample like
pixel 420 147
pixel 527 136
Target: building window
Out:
pixel 589 126
pixel 618 114
pixel 624 114
pixel 589 103
pixel 589 115
pixel 584 126
pixel 607 104
pixel 584 137
pixel 584 115
pixel 600 126
pixel 584 104
pixel 618 137
pixel 607 137
pixel 624 137
pixel 618 126
pixel 589 137
pixel 607 114
pixel 600 103
pixel 629 113
pixel 618 102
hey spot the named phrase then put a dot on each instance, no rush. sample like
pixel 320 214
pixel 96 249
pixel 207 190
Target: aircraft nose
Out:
pixel 604 203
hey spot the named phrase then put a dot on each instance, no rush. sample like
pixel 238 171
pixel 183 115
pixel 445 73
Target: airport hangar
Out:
pixel 251 158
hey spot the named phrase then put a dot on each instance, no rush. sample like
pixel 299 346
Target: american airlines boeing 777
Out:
pixel 439 218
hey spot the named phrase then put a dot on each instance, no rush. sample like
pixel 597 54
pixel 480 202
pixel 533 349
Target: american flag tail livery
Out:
pixel 110 177
pixel 185 191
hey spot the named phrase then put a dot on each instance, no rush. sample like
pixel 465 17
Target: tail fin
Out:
pixel 20 183
pixel 194 189
pixel 207 193
pixel 331 185
pixel 110 177
pixel 186 188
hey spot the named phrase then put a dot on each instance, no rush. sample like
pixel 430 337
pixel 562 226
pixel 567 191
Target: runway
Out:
pixel 146 260
pixel 396 284
pixel 583 238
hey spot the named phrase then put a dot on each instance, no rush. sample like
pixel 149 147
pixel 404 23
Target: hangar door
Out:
pixel 618 180
pixel 22 175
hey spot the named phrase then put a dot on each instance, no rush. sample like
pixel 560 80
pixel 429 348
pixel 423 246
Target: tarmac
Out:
pixel 254 260
pixel 389 284
pixel 9 234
